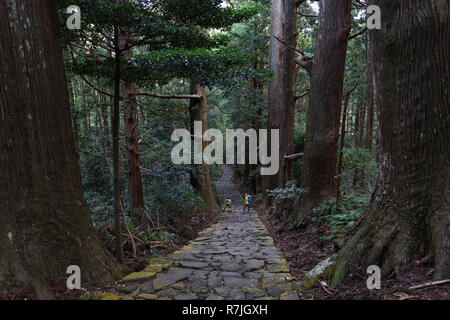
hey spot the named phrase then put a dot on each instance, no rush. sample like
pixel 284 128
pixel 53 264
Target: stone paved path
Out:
pixel 234 259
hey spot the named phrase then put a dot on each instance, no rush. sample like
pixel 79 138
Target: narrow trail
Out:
pixel 234 259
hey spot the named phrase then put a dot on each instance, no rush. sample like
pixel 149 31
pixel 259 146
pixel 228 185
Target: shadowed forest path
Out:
pixel 234 259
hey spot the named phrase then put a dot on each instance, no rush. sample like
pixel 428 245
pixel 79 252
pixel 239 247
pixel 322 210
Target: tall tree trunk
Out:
pixel 198 112
pixel 369 99
pixel 44 220
pixel 357 135
pixel 84 111
pixel 256 89
pixel 341 147
pixel 361 142
pixel 319 163
pixel 104 116
pixel 274 88
pixel 409 212
pixel 288 91
pixel 132 145
pixel 73 112
pixel 116 148
pixel 135 192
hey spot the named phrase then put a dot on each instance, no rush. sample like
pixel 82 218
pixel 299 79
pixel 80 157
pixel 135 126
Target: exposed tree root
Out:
pixel 392 237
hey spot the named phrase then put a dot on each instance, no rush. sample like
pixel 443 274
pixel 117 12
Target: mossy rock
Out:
pixel 299 286
pixel 160 260
pixel 146 296
pixel 320 271
pixel 139 276
pixel 278 268
pixel 289 295
pixel 124 289
pixel 178 286
pixel 158 264
pixel 157 268
pixel 254 292
pixel 107 296
pixel 85 296
pixel 187 247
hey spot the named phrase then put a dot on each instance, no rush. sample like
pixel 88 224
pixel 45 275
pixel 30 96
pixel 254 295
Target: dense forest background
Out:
pixel 166 188
pixel 363 118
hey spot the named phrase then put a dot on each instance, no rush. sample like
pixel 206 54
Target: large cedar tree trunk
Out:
pixel 275 85
pixel 132 145
pixel 198 112
pixel 323 118
pixel 135 193
pixel 115 123
pixel 44 220
pixel 369 99
pixel 408 216
pixel 288 91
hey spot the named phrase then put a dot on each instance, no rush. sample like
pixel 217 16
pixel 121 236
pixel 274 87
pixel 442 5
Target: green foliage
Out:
pixel 205 13
pixel 299 144
pixel 159 235
pixel 100 207
pixel 222 67
pixel 177 23
pixel 171 39
pixel 170 192
pixel 96 179
pixel 350 209
pixel 355 161
pixel 290 191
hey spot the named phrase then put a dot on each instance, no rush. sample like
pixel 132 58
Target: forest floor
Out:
pixel 193 223
pixel 304 249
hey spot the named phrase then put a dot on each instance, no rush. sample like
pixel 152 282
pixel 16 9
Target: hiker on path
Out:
pixel 248 200
pixel 228 204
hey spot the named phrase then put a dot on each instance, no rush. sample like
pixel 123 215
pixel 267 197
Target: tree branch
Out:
pixel 294 156
pixel 352 36
pixel 304 61
pixel 429 284
pixel 97 89
pixel 301 95
pixel 301 59
pixel 169 96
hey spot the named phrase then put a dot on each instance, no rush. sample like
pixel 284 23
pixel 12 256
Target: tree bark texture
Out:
pixel 408 216
pixel 275 85
pixel 198 112
pixel 44 220
pixel 323 118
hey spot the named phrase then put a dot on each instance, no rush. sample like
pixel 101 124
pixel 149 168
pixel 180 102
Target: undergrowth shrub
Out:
pixel 350 209
pixel 290 191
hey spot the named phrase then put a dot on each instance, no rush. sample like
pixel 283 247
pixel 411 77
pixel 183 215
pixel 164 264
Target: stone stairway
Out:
pixel 234 259
pixel 225 188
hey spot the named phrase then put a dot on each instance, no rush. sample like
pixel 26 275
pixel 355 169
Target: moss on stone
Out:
pixel 179 286
pixel 106 296
pixel 156 268
pixel 146 296
pixel 139 276
pixel 323 269
pixel 124 289
pixel 187 247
